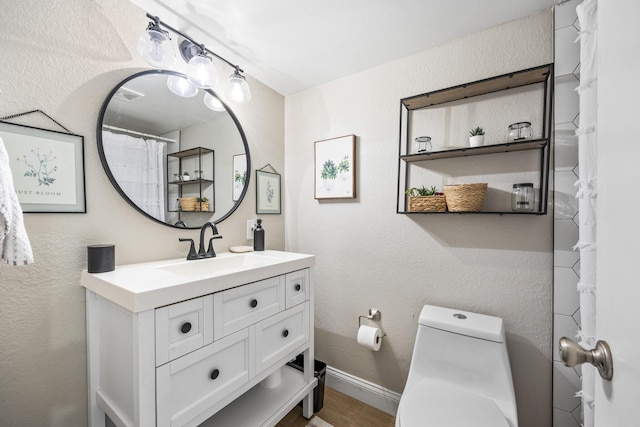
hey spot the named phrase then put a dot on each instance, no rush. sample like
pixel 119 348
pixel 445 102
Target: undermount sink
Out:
pixel 219 265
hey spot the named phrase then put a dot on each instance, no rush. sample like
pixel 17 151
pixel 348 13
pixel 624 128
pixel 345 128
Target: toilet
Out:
pixel 460 373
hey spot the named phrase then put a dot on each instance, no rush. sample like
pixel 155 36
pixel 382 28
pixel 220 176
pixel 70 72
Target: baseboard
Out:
pixel 362 390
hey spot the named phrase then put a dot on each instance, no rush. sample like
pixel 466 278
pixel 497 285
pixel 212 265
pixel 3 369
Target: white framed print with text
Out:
pixel 47 168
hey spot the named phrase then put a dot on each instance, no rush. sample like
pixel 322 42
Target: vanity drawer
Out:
pixel 237 308
pixel 183 327
pixel 188 386
pixel 281 334
pixel 297 287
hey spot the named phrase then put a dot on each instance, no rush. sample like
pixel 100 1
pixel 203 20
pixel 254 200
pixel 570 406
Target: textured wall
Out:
pixel 63 57
pixel 369 256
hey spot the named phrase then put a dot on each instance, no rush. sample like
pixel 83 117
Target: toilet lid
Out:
pixel 429 404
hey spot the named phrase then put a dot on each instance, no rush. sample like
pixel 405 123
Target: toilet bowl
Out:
pixel 460 373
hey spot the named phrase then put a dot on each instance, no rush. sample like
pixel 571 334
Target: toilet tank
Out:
pixel 466 350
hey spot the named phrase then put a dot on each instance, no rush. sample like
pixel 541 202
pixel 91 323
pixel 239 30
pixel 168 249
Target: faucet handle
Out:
pixel 210 252
pixel 192 249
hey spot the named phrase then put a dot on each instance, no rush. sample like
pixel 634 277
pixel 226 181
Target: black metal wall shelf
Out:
pixel 541 76
pixel 203 185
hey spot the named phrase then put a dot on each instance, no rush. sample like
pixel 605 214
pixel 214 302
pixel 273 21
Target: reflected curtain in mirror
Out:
pixel 138 165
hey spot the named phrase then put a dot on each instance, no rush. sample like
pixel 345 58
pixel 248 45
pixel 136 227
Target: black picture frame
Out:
pixel 47 168
pixel 268 193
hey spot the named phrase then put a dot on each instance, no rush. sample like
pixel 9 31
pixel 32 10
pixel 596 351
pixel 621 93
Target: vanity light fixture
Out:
pixel 152 46
pixel 238 90
pixel 156 47
pixel 181 86
pixel 213 102
pixel 201 71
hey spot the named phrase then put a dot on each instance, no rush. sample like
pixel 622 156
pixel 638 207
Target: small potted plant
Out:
pixel 202 204
pixel 186 176
pixel 426 200
pixel 476 137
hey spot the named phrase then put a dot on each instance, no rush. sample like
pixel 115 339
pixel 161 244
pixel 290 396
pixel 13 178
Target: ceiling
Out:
pixel 292 45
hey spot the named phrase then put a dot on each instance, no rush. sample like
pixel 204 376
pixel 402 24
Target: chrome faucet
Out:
pixel 209 253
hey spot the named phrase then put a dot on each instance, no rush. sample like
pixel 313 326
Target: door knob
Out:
pixel 573 354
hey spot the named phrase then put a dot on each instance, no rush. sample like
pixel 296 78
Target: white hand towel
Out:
pixel 15 248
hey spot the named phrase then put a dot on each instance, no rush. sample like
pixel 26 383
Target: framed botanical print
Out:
pixel 239 175
pixel 335 168
pixel 268 199
pixel 47 168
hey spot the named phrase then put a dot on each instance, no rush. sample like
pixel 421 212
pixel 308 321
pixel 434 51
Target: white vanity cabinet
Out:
pixel 192 349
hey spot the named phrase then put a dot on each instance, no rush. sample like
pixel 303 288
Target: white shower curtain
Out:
pixel 138 166
pixel 587 184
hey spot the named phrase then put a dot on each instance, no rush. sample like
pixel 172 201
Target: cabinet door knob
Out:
pixel 186 327
pixel 214 374
pixel 253 303
pixel 285 333
pixel 297 287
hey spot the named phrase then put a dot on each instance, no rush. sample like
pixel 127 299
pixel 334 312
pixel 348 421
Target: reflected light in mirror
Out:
pixel 213 103
pixel 182 87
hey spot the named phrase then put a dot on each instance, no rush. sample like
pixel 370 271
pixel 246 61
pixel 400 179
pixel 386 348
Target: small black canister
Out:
pixel 258 237
pixel 101 258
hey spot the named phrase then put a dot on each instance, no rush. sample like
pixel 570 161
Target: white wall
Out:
pixel 64 57
pixel 369 256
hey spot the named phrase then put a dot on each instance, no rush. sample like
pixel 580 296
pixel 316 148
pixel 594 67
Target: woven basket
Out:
pixel 202 207
pixel 465 197
pixel 427 204
pixel 187 204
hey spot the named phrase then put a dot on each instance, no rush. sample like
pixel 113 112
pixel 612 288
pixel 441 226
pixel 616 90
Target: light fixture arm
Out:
pixel 180 33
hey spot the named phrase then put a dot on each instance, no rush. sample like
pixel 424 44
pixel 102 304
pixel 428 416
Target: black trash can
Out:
pixel 320 372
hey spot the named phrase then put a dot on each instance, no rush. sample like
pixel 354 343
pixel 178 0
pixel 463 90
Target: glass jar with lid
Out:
pixel 523 197
pixel 519 131
pixel 423 144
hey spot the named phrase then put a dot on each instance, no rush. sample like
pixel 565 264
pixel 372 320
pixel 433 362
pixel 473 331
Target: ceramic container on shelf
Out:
pixel 476 141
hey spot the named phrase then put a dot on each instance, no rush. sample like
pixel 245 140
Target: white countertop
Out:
pixel 145 286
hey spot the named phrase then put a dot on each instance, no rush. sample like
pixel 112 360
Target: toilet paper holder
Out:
pixel 374 314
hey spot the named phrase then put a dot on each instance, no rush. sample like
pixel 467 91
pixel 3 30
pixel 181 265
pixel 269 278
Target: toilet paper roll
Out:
pixel 370 337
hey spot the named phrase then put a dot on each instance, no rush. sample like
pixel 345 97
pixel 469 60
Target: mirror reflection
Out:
pixel 174 152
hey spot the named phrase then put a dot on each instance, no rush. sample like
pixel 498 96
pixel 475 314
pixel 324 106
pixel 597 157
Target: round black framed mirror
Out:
pixel 176 153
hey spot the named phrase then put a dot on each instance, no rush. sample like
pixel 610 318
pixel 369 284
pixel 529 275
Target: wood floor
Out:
pixel 341 411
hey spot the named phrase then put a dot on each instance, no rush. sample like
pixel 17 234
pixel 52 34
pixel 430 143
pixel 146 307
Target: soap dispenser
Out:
pixel 258 237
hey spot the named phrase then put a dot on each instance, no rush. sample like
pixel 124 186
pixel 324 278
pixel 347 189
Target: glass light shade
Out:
pixel 181 86
pixel 201 71
pixel 155 48
pixel 238 90
pixel 213 103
